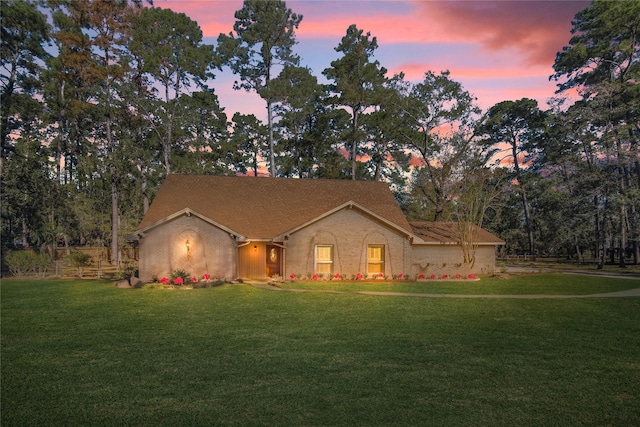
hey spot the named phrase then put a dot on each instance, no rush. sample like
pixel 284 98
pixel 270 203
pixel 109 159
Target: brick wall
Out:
pixel 211 250
pixel 448 259
pixel 349 231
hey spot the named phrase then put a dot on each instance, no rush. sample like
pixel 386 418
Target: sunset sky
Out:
pixel 498 50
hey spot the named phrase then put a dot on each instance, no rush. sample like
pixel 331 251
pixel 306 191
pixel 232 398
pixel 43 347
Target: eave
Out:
pixel 188 212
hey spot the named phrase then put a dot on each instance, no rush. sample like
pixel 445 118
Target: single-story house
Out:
pixel 251 227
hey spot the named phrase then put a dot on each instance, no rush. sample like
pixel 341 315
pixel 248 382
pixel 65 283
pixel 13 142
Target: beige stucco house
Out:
pixel 250 227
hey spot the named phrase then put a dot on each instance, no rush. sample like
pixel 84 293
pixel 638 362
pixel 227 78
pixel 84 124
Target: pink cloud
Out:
pixel 537 29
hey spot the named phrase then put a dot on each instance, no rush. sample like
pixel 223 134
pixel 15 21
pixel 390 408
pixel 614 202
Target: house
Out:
pixel 252 227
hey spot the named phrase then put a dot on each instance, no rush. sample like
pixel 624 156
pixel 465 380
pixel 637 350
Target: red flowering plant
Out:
pixel 458 276
pixel 206 277
pixel 315 276
pixel 336 276
pixel 164 280
pixel 433 277
pixel 194 279
pixel 472 277
pixel 359 276
pixel 421 276
pixel 401 276
pixel 445 276
pixel 292 276
pixel 178 281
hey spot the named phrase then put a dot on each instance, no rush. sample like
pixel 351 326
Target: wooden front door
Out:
pixel 274 260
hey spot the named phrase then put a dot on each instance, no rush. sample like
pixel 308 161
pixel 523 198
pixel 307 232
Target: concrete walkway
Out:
pixel 620 294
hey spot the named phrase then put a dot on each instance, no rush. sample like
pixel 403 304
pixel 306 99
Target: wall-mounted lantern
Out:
pixel 255 248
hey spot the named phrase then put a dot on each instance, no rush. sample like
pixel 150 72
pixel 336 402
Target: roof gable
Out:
pixel 262 208
pixel 349 205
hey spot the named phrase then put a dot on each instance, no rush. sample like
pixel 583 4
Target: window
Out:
pixel 324 259
pixel 375 259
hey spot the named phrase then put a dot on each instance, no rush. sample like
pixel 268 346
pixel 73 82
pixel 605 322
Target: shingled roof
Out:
pixel 263 208
pixel 449 233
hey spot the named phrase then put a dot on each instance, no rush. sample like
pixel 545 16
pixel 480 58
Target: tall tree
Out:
pixel 264 40
pixel 435 120
pixel 357 83
pixel 248 136
pixel 519 125
pixel 22 53
pixel 169 48
pixel 602 62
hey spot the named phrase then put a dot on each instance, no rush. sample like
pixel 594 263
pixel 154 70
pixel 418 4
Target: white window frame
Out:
pixel 378 262
pixel 318 262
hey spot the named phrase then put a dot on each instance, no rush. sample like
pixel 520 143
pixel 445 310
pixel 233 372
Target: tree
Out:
pixel 24 33
pixel 519 125
pixel 264 40
pixel 306 126
pixel 169 47
pixel 248 136
pixel 435 120
pixel 202 142
pixel 480 188
pixel 357 83
pixel 602 62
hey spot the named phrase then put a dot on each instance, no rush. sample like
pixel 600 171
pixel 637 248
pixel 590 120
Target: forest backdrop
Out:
pixel 102 99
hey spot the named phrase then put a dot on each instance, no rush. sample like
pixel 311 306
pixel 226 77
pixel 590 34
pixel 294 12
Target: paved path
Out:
pixel 626 293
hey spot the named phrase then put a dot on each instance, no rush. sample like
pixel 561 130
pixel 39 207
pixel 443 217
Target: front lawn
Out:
pixel 549 284
pixel 87 353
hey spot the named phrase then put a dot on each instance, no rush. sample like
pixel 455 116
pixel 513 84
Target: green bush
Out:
pixel 80 260
pixel 20 262
pixel 186 278
pixel 41 263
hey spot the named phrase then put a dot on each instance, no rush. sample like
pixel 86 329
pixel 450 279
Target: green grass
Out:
pixel 549 284
pixel 87 353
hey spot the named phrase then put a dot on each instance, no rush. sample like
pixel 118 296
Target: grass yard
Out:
pixel 87 353
pixel 540 284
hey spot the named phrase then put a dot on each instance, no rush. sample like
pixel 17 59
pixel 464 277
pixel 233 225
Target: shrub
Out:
pixel 179 277
pixel 41 263
pixel 80 260
pixel 20 262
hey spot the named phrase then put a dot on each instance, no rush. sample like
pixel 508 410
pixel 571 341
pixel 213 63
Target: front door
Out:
pixel 274 255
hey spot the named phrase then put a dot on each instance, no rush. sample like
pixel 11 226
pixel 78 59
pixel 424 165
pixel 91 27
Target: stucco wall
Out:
pixel 448 259
pixel 349 231
pixel 211 250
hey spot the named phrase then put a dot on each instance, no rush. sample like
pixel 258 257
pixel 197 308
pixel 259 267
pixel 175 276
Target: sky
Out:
pixel 498 50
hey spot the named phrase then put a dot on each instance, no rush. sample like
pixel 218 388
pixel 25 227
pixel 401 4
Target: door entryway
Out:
pixel 274 260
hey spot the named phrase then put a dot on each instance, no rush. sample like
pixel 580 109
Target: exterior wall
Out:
pixel 447 259
pixel 349 231
pixel 211 250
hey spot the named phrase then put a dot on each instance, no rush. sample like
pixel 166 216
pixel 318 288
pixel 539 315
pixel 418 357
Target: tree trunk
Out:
pixel 143 189
pixel 272 157
pixel 623 236
pixel 527 222
pixel 354 144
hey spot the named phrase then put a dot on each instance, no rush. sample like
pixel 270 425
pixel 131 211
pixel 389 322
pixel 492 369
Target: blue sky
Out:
pixel 498 50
